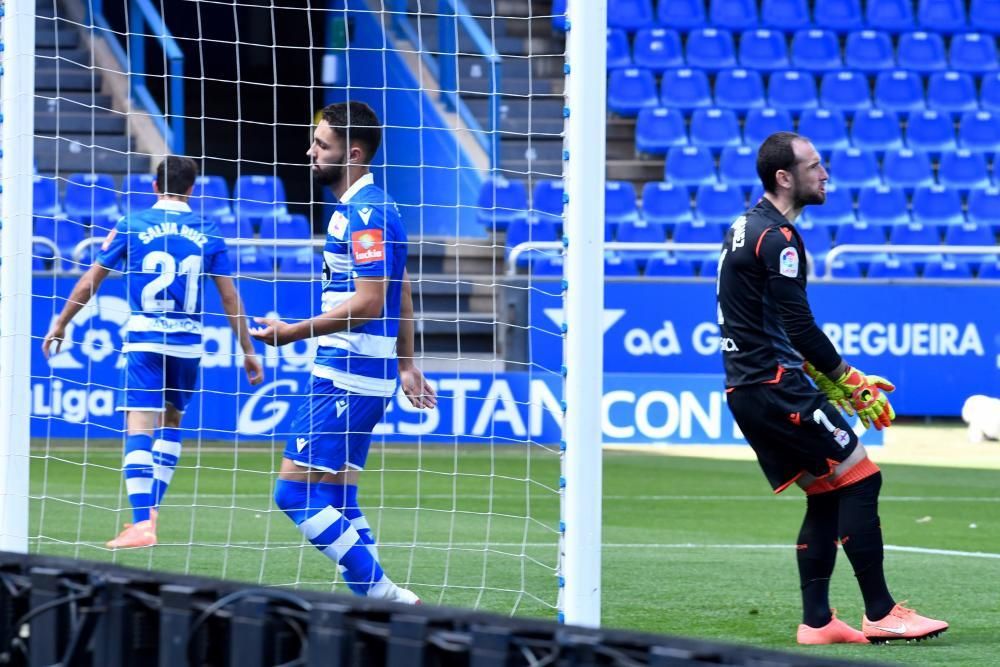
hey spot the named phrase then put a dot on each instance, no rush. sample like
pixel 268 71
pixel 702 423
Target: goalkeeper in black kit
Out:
pixel 771 348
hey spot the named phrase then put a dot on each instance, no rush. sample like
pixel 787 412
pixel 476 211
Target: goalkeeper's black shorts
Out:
pixel 792 428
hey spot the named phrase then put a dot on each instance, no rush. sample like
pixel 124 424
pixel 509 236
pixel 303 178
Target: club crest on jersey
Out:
pixel 788 262
pixel 841 437
pixel 338 225
pixel 368 246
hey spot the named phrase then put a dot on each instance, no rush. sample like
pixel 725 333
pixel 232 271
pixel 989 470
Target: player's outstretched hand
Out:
pixel 868 396
pixel 416 388
pixel 56 335
pixel 272 331
pixel 254 369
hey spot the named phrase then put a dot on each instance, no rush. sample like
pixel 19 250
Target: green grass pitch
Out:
pixel 692 547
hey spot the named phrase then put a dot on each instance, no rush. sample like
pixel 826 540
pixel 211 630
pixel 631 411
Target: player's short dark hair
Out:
pixel 176 175
pixel 776 153
pixel 356 123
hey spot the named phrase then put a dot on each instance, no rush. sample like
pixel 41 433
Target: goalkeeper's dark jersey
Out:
pixel 765 321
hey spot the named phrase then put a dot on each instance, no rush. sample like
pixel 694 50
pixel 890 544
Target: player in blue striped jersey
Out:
pixel 365 349
pixel 165 254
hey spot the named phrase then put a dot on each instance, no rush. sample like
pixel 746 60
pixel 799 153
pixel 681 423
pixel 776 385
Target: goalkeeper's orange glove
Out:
pixel 835 394
pixel 866 394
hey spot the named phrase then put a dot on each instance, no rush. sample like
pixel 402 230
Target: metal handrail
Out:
pixel 643 246
pixel 906 250
pixel 51 245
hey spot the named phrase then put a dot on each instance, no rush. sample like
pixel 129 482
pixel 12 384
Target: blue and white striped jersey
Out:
pixel 365 239
pixel 167 252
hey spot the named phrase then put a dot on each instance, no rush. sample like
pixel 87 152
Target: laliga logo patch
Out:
pixel 788 263
pixel 368 246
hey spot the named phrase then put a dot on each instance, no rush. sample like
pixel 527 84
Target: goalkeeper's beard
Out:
pixel 802 199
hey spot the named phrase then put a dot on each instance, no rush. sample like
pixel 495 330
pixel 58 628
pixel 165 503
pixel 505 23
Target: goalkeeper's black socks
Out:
pixel 816 553
pixel 861 536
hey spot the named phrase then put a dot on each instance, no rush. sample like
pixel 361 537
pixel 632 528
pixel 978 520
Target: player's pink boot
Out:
pixel 901 623
pixel 834 632
pixel 136 535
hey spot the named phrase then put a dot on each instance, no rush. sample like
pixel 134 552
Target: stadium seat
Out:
pixel 666 204
pixel 756 194
pixel 764 50
pixel 937 205
pixel 892 267
pixel 685 89
pixel 854 168
pixel 900 91
pixel 45 196
pixel 947 270
pixel 826 129
pixel 738 166
pixel 883 206
pixel 667 264
pixel 294 226
pixel 138 193
pixel 657 130
pixel 66 234
pixel 620 264
pixel 251 259
pixel 839 15
pixel 915 233
pixel 859 232
pixel 303 264
pixel 547 265
pixel 231 227
pixel 951 92
pixel 876 130
pixel 690 166
pixel 785 14
pixel 816 237
pixel 681 14
pixel 989 271
pixel 907 169
pixel 90 199
pixel 762 123
pixel 619 203
pixel 985 15
pixel 845 91
pixel 980 132
pixel 630 14
pixel 657 49
pixel 547 200
pixel 989 94
pixel 792 90
pixel 869 51
pixel 931 132
pixel 530 229
pixel 816 51
pixel 941 15
pixel 619 55
pixel 630 90
pixel 210 197
pixel 559 15
pixel 258 197
pixel 697 231
pixel 733 14
pixel 890 15
pixel 720 203
pixel 739 89
pixel 969 233
pixel 838 209
pixel 642 231
pixel 964 170
pixel 709 267
pixel 845 268
pixel 501 202
pixel 973 52
pixel 984 208
pixel 715 129
pixel 921 52
pixel 710 49
pixel 42 257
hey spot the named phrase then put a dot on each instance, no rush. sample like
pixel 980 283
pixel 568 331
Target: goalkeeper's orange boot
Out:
pixel 135 535
pixel 901 623
pixel 834 632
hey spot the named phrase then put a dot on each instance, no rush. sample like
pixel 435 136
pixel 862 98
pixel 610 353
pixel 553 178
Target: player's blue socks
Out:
pixel 166 453
pixel 344 497
pixel 332 533
pixel 138 469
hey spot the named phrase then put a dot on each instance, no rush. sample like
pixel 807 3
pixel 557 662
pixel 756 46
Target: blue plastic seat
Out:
pixel 666 204
pixel 845 91
pixel 501 202
pixel 947 270
pixel 931 132
pixel 984 207
pixel 715 128
pixel 826 129
pixel 839 15
pixel 890 15
pixel 720 203
pixel 951 92
pixel 985 15
pixel 619 203
pixel 937 205
pixel 792 90
pixel 64 233
pixel 642 231
pixel 91 199
pixel 963 169
pixel 527 230
pixel 619 55
pixel 973 52
pixel 681 14
pixel 915 233
pixel 295 226
pixel 907 169
pixel 45 196
pixel 900 91
pixel 708 267
pixel 690 166
pixel 733 14
pixel 838 209
pixel 547 200
pixel 816 237
pixel 980 132
pixel 210 197
pixel 843 267
pixel 854 168
pixel 710 49
pixel 559 15
pixel 231 227
pixel 697 231
pixel 989 94
pixel 258 197
pixel 658 130
pixel 764 50
pixel 869 51
pixel 883 206
pixel 630 14
pixel 251 260
pixel 922 52
pixel 138 193
pixel 685 89
pixel 657 49
pixel 877 130
pixel 620 264
pixel 739 89
pixel 969 233
pixel 303 264
pixel 859 232
pixel 547 265
pixel 738 166
pixel 989 271
pixel 941 15
pixel 762 123
pixel 785 14
pixel 892 267
pixel 816 51
pixel 631 90
pixel 668 264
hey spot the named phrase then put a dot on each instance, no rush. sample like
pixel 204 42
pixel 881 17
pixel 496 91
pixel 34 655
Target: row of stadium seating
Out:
pixel 812 50
pixel 840 15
